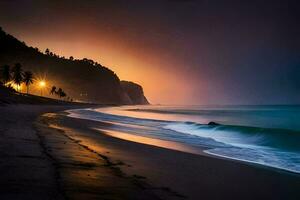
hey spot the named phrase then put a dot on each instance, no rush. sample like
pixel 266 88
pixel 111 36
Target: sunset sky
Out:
pixel 181 52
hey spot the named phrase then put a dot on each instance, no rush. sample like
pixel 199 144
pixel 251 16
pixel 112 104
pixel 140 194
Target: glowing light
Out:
pixel 42 84
pixel 14 86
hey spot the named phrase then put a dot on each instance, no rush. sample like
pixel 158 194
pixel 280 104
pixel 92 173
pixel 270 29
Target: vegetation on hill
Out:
pixel 10 96
pixel 11 80
pixel 84 79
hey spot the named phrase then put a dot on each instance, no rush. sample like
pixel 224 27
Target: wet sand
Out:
pixel 39 162
pixel 44 155
pixel 26 172
pixel 170 174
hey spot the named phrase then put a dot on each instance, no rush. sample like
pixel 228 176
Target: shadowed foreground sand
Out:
pixel 52 156
pixel 86 174
pixel 25 170
pixel 38 162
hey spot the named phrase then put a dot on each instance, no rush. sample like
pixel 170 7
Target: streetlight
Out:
pixel 42 85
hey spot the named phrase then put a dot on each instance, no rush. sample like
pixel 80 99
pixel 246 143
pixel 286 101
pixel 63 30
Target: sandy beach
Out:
pixel 173 174
pixel 47 155
pixel 26 170
pixel 149 100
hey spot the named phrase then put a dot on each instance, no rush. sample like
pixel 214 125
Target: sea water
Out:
pixel 266 135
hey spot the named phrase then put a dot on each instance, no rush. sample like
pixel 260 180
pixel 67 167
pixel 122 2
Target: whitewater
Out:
pixel 266 135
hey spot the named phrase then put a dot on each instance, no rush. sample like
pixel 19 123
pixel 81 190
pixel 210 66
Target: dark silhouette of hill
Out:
pixel 84 79
pixel 135 92
pixel 9 96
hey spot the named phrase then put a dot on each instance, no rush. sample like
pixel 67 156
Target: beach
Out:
pixel 149 100
pixel 47 155
pixel 26 170
pixel 39 162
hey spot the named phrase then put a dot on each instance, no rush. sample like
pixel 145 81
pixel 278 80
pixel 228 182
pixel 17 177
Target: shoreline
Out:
pixel 47 155
pixel 82 170
pixel 203 151
pixel 252 163
pixel 173 145
pixel 157 166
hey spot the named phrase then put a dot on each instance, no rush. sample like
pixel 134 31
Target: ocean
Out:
pixel 265 135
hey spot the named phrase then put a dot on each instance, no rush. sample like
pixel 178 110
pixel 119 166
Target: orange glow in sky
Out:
pixel 181 52
pixel 160 82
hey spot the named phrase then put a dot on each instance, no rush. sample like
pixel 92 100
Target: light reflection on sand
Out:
pixel 151 141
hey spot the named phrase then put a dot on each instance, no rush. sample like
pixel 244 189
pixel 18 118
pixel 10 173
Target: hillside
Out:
pixel 135 92
pixel 83 80
pixel 9 96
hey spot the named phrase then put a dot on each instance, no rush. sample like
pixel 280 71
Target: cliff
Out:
pixel 135 92
pixel 83 80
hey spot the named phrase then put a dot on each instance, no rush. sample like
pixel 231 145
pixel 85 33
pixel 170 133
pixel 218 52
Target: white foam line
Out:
pixel 248 161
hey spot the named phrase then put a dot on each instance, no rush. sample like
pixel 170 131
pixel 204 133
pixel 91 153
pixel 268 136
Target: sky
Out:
pixel 181 52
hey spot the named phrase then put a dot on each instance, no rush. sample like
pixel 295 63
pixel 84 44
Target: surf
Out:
pixel 235 136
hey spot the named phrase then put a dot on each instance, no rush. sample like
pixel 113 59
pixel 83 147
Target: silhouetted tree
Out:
pixel 63 94
pixel 47 52
pixel 5 74
pixel 28 79
pixel 53 90
pixel 17 75
pixel 100 79
pixel 59 92
pixel 71 58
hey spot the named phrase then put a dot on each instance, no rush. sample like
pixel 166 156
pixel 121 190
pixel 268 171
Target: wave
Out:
pixel 276 147
pixel 280 117
pixel 216 110
pixel 242 135
pixel 93 114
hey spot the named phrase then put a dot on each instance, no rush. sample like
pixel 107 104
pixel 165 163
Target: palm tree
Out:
pixel 53 90
pixel 59 92
pixel 5 74
pixel 17 75
pixel 28 79
pixel 63 94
